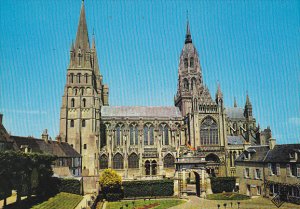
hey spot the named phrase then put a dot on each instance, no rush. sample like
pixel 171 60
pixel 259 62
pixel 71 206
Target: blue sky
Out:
pixel 249 46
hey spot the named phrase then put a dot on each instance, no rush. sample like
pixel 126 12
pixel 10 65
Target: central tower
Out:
pixel 84 95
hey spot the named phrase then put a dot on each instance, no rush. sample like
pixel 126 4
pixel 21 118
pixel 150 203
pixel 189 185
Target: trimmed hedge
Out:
pixel 220 184
pixel 148 188
pixel 66 185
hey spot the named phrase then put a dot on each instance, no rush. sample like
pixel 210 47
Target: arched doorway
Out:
pixel 147 168
pixel 193 183
pixel 197 178
pixel 213 163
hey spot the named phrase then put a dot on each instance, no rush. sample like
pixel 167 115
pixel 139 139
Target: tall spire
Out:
pixel 248 103
pixel 234 104
pixel 82 37
pixel 188 36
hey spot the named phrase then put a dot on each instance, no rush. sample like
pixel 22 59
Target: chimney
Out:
pixel 272 143
pixel 58 139
pixel 45 135
pixel 1 117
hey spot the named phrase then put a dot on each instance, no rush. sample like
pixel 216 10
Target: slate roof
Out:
pixel 258 154
pixel 235 140
pixel 140 111
pixel 281 153
pixel 235 112
pixel 60 149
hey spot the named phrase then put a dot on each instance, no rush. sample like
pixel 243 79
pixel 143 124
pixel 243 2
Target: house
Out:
pixel 270 170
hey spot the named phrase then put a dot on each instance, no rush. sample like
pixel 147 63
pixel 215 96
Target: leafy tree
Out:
pixel 27 173
pixel 111 184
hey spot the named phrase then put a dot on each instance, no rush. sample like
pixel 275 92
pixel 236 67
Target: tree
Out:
pixel 110 184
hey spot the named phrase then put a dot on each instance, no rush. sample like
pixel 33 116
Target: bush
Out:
pixel 220 184
pixel 64 185
pixel 111 197
pixel 148 188
pixel 110 185
pixel 227 196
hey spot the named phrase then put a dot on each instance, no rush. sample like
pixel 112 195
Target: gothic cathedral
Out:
pixel 141 141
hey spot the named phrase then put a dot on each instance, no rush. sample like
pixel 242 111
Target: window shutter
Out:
pixel 270 169
pixel 254 175
pixel 288 170
pixel 278 169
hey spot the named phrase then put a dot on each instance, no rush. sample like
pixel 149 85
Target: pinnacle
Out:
pixel 82 38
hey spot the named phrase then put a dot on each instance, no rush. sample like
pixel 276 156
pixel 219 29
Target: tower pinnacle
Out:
pixel 188 36
pixel 82 38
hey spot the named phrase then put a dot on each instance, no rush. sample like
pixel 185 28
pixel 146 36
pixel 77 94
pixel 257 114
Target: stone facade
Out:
pixel 145 141
pixel 270 170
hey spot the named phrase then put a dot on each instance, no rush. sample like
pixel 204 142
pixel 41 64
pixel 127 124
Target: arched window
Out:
pixel 133 134
pixel 209 132
pixel 164 133
pixel 234 158
pixel 154 167
pixel 186 84
pixel 169 161
pixel 86 78
pixel 195 105
pixel 84 102
pixel 72 102
pixel 151 131
pixel 78 77
pixel 148 134
pixel 147 167
pixel 192 62
pixel 118 161
pixel 71 78
pixel 118 135
pixel 103 161
pixel 133 161
pixel 186 63
pixel 193 86
pixel 83 123
pixel 72 123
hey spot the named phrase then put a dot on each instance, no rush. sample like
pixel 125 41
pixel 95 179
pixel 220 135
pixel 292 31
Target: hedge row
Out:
pixel 67 185
pixel 220 184
pixel 148 188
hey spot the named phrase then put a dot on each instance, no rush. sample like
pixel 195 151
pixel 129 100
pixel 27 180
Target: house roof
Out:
pixel 258 154
pixel 281 153
pixel 140 111
pixel 235 112
pixel 60 149
pixel 238 140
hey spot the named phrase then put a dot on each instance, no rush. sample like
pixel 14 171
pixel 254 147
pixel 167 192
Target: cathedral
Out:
pixel 141 142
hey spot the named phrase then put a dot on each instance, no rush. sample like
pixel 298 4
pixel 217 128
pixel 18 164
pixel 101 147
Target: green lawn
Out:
pixel 157 204
pixel 62 200
pixel 227 196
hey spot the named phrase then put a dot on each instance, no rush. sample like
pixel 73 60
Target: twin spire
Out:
pixel 82 37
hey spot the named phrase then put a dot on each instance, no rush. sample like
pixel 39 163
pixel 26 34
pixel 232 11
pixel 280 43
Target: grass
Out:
pixel 227 196
pixel 61 200
pixel 157 204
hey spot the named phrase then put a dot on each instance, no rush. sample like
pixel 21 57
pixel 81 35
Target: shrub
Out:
pixel 148 188
pixel 220 184
pixel 111 197
pixel 110 182
pixel 64 185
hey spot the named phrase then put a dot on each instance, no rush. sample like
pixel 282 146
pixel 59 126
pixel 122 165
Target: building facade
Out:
pixel 145 141
pixel 270 170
